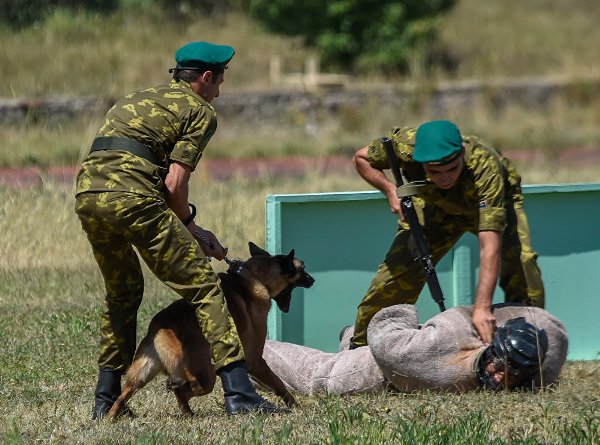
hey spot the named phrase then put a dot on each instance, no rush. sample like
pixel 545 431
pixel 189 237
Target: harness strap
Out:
pixel 252 283
pixel 125 144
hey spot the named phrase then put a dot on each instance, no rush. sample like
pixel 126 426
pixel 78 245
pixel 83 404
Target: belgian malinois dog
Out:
pixel 175 345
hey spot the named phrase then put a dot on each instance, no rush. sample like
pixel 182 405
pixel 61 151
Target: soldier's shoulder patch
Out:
pixel 209 134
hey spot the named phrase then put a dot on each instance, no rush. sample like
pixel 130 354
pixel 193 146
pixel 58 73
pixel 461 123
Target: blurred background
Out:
pixel 313 79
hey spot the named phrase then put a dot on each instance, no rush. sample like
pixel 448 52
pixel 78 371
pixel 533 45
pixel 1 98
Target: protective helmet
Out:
pixel 520 346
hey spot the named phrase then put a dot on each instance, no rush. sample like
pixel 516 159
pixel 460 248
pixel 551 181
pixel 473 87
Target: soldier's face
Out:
pixel 498 374
pixel 209 88
pixel 445 176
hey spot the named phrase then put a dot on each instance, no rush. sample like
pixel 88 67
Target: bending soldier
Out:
pixel 472 188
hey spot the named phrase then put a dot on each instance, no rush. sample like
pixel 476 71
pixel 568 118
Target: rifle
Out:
pixel 422 251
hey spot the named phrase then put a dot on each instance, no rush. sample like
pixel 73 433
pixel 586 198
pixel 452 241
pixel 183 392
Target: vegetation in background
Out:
pixel 19 14
pixel 75 53
pixel 109 55
pixel 512 38
pixel 363 36
pixel 368 35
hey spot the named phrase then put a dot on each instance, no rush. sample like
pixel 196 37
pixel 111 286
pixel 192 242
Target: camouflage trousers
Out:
pixel 400 279
pixel 115 223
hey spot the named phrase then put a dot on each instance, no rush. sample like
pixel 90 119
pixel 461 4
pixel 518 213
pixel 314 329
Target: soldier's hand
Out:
pixel 394 201
pixel 400 212
pixel 484 323
pixel 209 243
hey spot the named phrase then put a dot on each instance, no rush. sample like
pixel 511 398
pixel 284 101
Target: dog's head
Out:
pixel 280 274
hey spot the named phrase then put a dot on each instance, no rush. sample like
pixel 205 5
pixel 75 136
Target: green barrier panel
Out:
pixel 342 237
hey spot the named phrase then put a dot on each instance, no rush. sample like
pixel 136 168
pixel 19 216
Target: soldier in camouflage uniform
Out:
pixel 132 192
pixel 472 188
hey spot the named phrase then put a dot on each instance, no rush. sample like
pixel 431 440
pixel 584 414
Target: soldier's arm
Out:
pixel 177 194
pixel 484 321
pixel 177 191
pixel 377 179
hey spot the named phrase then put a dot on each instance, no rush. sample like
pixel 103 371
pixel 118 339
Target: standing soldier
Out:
pixel 473 188
pixel 132 191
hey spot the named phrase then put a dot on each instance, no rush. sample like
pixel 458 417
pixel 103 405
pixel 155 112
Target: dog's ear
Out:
pixel 288 267
pixel 257 251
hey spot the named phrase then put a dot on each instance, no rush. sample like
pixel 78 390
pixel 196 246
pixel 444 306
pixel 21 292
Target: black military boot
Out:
pixel 108 389
pixel 240 395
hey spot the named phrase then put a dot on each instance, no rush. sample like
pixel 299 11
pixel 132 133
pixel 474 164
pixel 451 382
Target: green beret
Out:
pixel 437 142
pixel 203 55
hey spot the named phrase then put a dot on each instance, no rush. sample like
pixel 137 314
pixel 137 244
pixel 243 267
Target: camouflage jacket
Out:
pixel 171 119
pixel 488 184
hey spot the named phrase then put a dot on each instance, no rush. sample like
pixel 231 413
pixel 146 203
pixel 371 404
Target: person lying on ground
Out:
pixel 528 350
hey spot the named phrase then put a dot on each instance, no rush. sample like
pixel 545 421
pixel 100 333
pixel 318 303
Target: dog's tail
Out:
pixel 144 368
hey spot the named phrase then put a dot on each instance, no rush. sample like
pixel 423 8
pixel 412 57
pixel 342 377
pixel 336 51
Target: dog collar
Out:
pixel 235 266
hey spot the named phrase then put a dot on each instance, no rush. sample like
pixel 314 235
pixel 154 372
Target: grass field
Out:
pixel 50 293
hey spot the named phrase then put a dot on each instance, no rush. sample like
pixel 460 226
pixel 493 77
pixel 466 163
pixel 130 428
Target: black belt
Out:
pixel 125 144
